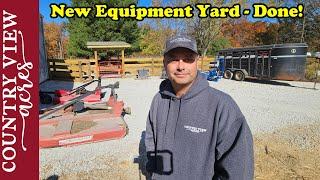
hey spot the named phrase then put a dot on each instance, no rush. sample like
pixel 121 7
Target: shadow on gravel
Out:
pixel 275 83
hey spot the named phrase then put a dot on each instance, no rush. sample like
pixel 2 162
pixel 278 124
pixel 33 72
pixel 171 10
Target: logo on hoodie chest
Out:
pixel 194 129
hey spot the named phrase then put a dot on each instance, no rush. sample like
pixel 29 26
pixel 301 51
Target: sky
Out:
pixel 44 8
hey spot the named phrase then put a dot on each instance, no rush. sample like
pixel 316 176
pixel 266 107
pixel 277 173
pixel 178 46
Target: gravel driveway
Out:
pixel 266 106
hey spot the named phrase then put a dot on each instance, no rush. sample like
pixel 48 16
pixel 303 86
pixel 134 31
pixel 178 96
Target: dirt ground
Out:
pixel 288 153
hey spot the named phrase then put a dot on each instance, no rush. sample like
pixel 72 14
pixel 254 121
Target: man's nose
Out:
pixel 180 65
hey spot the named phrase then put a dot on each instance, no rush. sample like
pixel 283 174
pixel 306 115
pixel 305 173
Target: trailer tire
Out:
pixel 239 76
pixel 227 74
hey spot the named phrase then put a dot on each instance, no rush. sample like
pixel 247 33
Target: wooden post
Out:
pixel 89 70
pixel 122 61
pixel 152 67
pixel 80 70
pixel 97 73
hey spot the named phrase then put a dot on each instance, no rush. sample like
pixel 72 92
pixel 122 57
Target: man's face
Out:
pixel 181 66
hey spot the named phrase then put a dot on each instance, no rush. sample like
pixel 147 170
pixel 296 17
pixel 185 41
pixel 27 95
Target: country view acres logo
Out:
pixel 15 91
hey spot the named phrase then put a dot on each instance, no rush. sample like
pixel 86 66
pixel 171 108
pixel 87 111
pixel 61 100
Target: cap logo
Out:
pixel 180 40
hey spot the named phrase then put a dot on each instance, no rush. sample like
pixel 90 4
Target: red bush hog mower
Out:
pixel 79 120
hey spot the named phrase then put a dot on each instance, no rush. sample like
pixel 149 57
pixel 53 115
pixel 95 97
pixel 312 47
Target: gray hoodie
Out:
pixel 202 135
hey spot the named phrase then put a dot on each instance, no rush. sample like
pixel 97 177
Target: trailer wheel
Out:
pixel 239 76
pixel 227 74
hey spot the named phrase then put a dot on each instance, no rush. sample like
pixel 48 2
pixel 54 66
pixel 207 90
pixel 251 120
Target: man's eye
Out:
pixel 173 59
pixel 188 59
pixel 184 59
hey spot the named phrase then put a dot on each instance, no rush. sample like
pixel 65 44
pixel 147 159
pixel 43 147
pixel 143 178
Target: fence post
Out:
pixel 97 64
pixel 89 70
pixel 152 66
pixel 122 62
pixel 80 70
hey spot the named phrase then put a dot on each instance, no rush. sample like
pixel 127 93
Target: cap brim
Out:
pixel 179 46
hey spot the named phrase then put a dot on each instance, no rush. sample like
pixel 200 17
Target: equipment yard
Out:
pixel 284 117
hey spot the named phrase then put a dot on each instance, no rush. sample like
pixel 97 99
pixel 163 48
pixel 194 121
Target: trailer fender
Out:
pixel 246 74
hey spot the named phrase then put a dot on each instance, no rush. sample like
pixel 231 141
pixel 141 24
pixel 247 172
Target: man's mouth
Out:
pixel 180 74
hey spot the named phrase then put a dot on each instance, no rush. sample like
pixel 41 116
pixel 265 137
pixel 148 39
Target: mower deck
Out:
pixel 84 118
pixel 71 130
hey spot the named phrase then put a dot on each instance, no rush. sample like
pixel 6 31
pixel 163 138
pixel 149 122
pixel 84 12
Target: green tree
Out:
pixel 155 32
pixel 82 30
pixel 218 44
pixel 153 39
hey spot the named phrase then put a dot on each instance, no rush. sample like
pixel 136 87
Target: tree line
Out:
pixel 212 34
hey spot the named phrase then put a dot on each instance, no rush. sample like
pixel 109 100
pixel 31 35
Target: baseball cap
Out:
pixel 182 41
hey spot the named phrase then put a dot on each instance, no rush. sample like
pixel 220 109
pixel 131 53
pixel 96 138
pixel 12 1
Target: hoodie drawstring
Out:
pixel 165 129
pixel 174 135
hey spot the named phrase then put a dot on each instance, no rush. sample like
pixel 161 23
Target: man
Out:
pixel 195 131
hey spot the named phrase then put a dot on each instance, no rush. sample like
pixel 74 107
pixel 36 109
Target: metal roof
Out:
pixel 266 47
pixel 107 44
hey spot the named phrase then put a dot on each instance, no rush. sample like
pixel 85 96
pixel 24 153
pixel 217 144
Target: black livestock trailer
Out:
pixel 277 61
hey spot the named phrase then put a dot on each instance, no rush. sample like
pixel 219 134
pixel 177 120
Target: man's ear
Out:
pixel 198 57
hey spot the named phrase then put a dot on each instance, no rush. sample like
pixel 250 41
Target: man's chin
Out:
pixel 181 81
